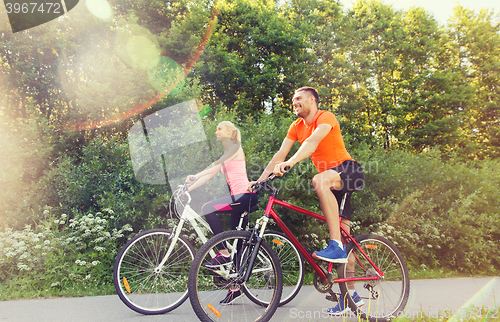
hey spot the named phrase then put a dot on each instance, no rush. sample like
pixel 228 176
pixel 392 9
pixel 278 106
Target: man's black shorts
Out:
pixel 353 179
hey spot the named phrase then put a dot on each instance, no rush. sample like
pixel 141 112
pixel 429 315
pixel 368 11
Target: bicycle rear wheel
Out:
pixel 384 298
pixel 291 263
pixel 265 281
pixel 141 284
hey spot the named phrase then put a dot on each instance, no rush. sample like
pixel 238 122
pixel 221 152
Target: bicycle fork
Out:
pixel 262 222
pixel 173 240
pixel 190 216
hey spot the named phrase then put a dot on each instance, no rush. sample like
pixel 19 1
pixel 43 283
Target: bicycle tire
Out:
pixel 266 282
pixel 383 299
pixel 136 282
pixel 292 266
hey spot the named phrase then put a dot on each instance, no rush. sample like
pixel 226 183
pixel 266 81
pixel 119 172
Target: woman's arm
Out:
pixel 202 177
pixel 231 153
pixel 201 181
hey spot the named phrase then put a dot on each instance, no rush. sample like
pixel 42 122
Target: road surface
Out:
pixel 426 296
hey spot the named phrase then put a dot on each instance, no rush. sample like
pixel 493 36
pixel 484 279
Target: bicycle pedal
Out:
pixel 332 298
pixel 222 274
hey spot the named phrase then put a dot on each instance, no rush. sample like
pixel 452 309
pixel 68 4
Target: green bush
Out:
pixel 445 215
pixel 102 177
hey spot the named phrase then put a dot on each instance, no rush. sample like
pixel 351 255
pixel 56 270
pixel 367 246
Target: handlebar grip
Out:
pixel 272 175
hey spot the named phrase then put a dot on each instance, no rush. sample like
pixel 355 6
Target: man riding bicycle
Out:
pixel 318 132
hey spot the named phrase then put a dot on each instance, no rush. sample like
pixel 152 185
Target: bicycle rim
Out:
pixel 140 284
pixel 384 298
pixel 265 282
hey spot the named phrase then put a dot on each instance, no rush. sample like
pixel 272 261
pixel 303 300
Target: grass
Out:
pixel 17 291
pixel 472 313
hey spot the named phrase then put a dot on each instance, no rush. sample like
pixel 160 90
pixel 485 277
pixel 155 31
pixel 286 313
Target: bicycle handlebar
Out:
pixel 182 189
pixel 259 185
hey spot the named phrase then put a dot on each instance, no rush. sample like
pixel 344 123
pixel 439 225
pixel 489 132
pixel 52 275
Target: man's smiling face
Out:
pixel 302 102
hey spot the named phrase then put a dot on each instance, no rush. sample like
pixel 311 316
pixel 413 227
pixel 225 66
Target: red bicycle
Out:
pixel 376 270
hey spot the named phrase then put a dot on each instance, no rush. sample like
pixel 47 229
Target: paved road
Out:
pixel 426 296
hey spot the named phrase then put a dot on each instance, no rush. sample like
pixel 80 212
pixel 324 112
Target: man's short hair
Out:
pixel 311 90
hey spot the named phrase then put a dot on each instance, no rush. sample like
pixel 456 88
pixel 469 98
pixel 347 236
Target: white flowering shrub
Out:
pixel 60 252
pixel 95 240
pixel 25 250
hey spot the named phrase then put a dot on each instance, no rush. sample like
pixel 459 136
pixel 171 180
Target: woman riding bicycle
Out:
pixel 232 165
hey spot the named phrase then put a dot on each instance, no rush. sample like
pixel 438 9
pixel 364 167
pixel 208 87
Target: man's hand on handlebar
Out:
pixel 282 168
pixel 250 187
pixel 256 185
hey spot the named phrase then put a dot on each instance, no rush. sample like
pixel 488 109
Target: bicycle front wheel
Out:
pixel 219 293
pixel 141 283
pixel 379 299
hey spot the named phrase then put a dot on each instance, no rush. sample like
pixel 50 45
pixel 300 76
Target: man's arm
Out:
pixel 278 157
pixel 306 149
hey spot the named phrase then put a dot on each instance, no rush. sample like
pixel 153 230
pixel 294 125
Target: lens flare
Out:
pixel 136 46
pixel 137 49
pixel 99 85
pixel 165 72
pixel 99 8
pixel 485 297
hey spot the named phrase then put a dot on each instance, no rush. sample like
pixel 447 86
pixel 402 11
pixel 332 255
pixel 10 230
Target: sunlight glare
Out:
pixel 99 8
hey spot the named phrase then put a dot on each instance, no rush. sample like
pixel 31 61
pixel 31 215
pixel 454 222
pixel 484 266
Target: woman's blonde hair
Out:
pixel 236 135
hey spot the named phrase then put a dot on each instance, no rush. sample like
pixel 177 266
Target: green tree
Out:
pixel 429 110
pixel 474 46
pixel 380 67
pixel 255 58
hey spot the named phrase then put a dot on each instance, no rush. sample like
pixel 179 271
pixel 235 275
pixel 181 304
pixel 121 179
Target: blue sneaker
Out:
pixel 357 299
pixel 333 253
pixel 342 308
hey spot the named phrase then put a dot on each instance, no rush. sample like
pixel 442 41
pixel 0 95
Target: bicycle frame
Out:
pixel 346 237
pixel 194 219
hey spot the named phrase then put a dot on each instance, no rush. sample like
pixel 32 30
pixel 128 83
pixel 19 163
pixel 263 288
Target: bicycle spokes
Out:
pixel 384 295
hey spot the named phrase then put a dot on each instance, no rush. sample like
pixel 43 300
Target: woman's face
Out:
pixel 222 132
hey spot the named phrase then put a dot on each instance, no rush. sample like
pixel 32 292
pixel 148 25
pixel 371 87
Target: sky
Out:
pixel 440 9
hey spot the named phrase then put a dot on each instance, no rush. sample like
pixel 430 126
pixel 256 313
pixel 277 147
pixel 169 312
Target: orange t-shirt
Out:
pixel 331 150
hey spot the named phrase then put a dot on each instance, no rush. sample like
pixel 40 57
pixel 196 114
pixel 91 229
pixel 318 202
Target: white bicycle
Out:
pixel 151 271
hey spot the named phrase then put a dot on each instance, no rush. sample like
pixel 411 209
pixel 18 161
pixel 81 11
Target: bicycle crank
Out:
pixel 319 284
